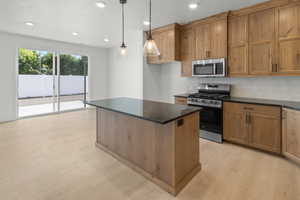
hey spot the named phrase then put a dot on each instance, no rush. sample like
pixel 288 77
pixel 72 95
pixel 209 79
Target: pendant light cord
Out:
pixel 123 34
pixel 150 21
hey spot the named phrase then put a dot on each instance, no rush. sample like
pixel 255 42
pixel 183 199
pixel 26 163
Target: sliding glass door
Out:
pixel 36 91
pixel 72 81
pixel 49 82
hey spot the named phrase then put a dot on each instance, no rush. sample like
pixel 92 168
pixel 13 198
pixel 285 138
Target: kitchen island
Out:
pixel 158 140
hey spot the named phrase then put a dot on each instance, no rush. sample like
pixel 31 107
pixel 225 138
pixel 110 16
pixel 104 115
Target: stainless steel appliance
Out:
pixel 209 68
pixel 210 97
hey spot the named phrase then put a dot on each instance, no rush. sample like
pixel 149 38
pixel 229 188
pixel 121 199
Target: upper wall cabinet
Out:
pixel 211 37
pixel 167 39
pixel 262 42
pixel 187 50
pixel 289 39
pixel 238 46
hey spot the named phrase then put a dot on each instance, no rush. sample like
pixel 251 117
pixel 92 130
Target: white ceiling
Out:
pixel 57 19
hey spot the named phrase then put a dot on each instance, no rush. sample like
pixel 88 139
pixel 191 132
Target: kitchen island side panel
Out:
pixel 151 148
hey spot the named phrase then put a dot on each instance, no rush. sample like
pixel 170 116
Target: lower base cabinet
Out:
pixel 291 134
pixel 181 100
pixel 253 125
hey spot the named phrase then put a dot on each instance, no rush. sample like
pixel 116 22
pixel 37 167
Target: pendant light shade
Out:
pixel 123 47
pixel 150 47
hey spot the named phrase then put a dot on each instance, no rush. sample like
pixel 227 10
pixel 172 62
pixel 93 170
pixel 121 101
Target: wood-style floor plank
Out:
pixel 55 158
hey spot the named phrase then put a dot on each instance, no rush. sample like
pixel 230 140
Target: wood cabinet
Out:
pixel 181 100
pixel 167 154
pixel 167 39
pixel 291 134
pixel 289 39
pixel 235 127
pixel 238 46
pixel 262 42
pixel 187 50
pixel 202 39
pixel 253 125
pixel 264 39
pixel 218 45
pixel 211 38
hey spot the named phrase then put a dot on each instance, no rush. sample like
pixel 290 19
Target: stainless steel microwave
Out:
pixel 209 68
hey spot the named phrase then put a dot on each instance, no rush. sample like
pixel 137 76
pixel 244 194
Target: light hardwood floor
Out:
pixel 55 158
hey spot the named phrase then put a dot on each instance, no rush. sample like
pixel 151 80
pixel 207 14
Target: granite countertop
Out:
pixel 269 102
pixel 158 112
pixel 186 95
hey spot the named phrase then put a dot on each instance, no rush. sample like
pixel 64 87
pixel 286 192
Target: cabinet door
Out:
pixel 265 132
pixel 289 39
pixel 167 46
pixel 291 134
pixel 261 42
pixel 218 41
pixel 203 37
pixel 238 46
pixel 234 124
pixel 187 51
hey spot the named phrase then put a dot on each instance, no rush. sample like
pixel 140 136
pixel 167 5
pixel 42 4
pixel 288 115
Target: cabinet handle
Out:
pixel 298 57
pixel 246 118
pixel 273 67
pixel 249 119
pixel 207 54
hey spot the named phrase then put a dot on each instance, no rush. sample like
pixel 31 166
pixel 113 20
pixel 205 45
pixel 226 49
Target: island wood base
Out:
pixel 167 155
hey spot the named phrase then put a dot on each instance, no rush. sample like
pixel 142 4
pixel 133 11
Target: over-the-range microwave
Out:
pixel 209 68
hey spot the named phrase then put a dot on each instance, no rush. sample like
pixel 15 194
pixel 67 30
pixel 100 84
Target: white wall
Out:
pixel 125 73
pixel 9 44
pixel 171 83
pixel 162 82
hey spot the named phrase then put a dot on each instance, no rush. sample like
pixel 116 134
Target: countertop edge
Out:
pixel 249 102
pixel 182 95
pixel 147 119
pixel 283 105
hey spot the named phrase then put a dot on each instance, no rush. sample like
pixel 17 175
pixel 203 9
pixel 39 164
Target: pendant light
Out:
pixel 123 47
pixel 150 48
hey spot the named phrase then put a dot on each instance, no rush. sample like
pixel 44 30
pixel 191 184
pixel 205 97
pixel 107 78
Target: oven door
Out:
pixel 211 124
pixel 211 120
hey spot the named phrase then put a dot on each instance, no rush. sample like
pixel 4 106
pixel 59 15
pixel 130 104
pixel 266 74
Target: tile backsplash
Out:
pixel 277 88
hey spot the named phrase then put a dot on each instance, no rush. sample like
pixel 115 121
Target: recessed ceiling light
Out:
pixel 75 33
pixel 106 40
pixel 29 23
pixel 101 4
pixel 146 23
pixel 193 6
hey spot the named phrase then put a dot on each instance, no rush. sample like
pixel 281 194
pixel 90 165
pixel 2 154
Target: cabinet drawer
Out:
pixel 181 100
pixel 273 111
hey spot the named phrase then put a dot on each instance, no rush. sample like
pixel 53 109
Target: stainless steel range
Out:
pixel 210 97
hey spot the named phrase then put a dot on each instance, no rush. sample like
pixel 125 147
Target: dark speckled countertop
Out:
pixel 269 102
pixel 182 95
pixel 148 110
